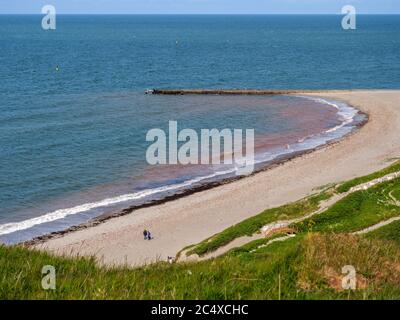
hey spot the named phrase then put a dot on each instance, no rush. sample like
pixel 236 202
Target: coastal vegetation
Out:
pixel 357 211
pixel 389 232
pixel 306 265
pixel 253 225
pixel 361 203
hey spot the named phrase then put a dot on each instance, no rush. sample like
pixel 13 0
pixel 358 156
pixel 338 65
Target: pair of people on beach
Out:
pixel 147 235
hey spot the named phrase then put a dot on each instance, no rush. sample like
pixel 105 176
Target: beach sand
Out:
pixel 193 218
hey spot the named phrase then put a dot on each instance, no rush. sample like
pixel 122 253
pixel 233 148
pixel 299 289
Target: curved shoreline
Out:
pixel 178 195
pixel 261 165
pixel 201 214
pixel 304 145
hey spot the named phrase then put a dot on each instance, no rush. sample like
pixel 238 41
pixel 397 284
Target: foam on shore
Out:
pixel 346 114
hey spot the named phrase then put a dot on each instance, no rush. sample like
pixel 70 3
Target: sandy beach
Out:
pixel 191 219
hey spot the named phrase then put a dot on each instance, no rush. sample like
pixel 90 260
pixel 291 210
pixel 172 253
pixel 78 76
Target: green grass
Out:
pixel 222 278
pixel 390 232
pixel 299 268
pixel 356 211
pixel 345 215
pixel 307 266
pixel 349 184
pixel 253 245
pixel 253 225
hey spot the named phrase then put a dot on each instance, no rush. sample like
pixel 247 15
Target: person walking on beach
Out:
pixel 145 234
pixel 148 235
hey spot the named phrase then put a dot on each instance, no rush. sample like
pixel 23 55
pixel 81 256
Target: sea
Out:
pixel 74 114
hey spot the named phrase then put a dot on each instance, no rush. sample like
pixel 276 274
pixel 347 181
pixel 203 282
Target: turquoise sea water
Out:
pixel 73 138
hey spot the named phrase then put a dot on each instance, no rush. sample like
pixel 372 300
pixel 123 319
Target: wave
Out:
pixel 63 213
pixel 346 114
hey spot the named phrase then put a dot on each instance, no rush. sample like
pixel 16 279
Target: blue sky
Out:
pixel 200 6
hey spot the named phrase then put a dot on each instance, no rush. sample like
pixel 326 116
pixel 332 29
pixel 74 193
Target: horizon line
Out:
pixel 194 14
